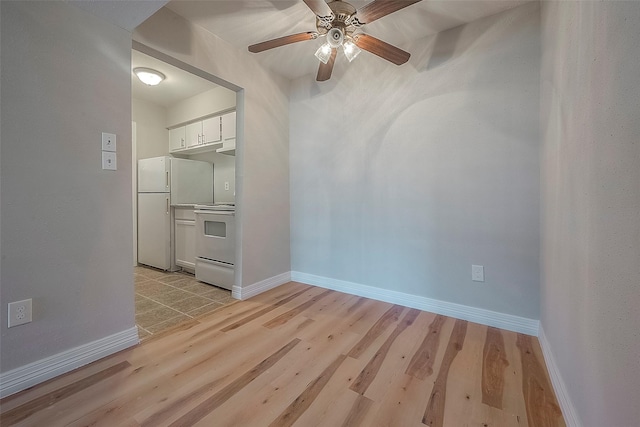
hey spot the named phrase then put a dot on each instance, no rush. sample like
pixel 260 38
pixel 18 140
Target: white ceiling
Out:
pixel 125 15
pixel 178 84
pixel 245 22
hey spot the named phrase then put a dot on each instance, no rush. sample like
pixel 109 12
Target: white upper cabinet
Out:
pixel 229 126
pixel 204 135
pixel 177 139
pixel 211 130
pixel 194 134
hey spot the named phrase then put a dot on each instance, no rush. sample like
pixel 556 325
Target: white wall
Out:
pixel 209 102
pixel 224 170
pixel 66 224
pixel 590 277
pixel 262 187
pixel 402 177
pixel 151 122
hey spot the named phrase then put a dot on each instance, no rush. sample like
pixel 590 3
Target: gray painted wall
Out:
pixel 590 128
pixel 66 224
pixel 262 175
pixel 401 178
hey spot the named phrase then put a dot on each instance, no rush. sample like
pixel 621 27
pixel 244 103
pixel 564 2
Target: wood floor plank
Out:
pixel 291 358
pixel 398 407
pixel 200 411
pixel 512 398
pixel 333 404
pixel 306 398
pixel 43 402
pixel 398 357
pixel 434 414
pixel 368 374
pixel 279 387
pixel 421 364
pixel 388 318
pixel 540 401
pixel 262 312
pixel 495 362
pixel 200 364
pixel 358 411
pixel 285 317
pixel 464 381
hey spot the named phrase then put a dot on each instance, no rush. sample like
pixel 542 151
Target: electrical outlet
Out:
pixel 226 185
pixel 477 273
pixel 108 141
pixel 19 312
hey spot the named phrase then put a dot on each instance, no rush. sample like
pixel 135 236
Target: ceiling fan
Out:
pixel 341 23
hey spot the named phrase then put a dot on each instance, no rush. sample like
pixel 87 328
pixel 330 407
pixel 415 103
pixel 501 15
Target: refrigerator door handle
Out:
pixel 167 206
pixel 167 179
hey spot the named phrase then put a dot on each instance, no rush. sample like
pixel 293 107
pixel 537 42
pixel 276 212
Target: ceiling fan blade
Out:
pixel 383 49
pixel 293 38
pixel 325 70
pixel 379 8
pixel 319 7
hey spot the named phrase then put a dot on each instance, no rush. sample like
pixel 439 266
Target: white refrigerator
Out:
pixel 164 182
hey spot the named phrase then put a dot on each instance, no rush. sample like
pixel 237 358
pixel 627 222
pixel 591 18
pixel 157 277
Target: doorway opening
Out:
pixel 189 127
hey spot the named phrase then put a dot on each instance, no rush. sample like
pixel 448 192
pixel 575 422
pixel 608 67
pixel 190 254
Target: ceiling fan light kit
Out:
pixel 338 21
pixel 324 53
pixel 350 50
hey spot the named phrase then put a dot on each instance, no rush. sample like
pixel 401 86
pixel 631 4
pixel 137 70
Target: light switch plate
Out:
pixel 477 273
pixel 108 141
pixel 109 161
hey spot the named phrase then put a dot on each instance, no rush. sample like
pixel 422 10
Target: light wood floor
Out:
pixel 305 356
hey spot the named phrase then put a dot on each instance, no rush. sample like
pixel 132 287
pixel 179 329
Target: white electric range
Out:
pixel 216 244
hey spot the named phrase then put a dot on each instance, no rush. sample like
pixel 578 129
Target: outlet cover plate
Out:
pixel 19 313
pixel 477 273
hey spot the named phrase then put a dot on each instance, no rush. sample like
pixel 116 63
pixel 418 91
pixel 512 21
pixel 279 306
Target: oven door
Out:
pixel 216 236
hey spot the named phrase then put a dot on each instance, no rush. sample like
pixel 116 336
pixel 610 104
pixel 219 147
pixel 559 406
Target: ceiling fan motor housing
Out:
pixel 335 37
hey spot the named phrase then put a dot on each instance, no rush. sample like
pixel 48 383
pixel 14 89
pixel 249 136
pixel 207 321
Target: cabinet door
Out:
pixel 177 139
pixel 229 126
pixel 185 243
pixel 211 130
pixel 194 134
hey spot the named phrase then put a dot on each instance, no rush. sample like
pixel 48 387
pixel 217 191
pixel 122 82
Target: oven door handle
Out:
pixel 216 212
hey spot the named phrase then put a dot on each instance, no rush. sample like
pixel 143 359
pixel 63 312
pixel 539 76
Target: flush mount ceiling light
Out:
pixel 149 76
pixel 339 21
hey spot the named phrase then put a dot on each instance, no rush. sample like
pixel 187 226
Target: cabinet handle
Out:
pixel 167 206
pixel 167 179
pixel 182 142
pixel 199 139
pixel 203 140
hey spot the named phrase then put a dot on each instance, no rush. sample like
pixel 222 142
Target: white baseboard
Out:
pixel 42 370
pixel 478 315
pixel 566 405
pixel 254 289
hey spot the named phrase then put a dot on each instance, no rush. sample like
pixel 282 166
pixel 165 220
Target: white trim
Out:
pixel 254 289
pixel 44 369
pixel 566 405
pixel 473 314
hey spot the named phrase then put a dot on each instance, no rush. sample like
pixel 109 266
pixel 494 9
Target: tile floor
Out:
pixel 166 299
